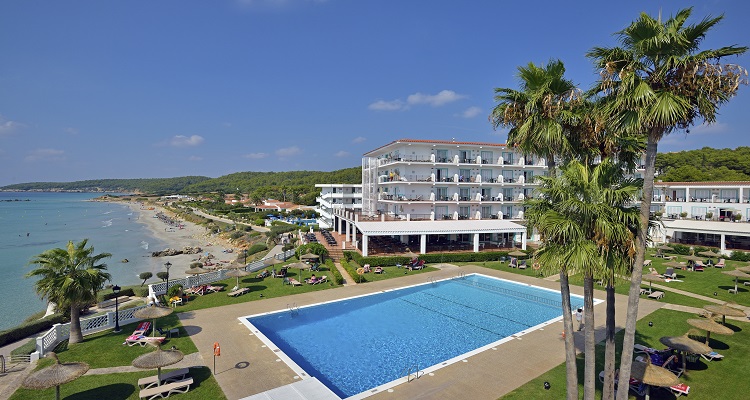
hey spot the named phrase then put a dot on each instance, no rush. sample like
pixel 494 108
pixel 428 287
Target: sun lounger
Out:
pixel 712 356
pixel 168 377
pixel 657 295
pixel 155 392
pixel 142 328
pixel 378 270
pixel 654 272
pixel 646 263
pixel 238 292
pixel 142 340
pixel 214 289
pixel 669 273
pixel 522 265
pixel 680 389
pixel 720 264
pixel 293 282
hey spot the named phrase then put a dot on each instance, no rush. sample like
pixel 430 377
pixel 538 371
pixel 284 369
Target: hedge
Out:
pixel 684 250
pixel 351 268
pixel 30 328
pixel 335 274
pixel 103 296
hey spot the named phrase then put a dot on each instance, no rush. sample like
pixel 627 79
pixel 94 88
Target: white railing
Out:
pixel 60 332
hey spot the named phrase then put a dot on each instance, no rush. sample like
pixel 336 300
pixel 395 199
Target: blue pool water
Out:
pixel 357 344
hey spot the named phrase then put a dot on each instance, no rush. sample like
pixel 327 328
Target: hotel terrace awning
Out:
pixel 384 228
pixel 714 227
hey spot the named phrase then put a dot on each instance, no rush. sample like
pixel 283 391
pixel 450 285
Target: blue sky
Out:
pixel 142 89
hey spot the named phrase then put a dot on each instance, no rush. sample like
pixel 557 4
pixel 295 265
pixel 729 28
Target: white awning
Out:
pixel 714 227
pixel 442 227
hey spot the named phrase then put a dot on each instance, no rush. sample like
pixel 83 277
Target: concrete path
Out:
pixel 190 360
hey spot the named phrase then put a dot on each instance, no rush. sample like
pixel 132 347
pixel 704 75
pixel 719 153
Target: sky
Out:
pixel 97 89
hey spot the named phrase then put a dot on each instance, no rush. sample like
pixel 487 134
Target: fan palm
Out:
pixel 539 117
pixel 656 83
pixel 70 278
pixel 584 216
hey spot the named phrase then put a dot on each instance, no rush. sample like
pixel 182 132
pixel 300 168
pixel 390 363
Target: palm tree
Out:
pixel 656 83
pixel 582 216
pixel 70 277
pixel 538 116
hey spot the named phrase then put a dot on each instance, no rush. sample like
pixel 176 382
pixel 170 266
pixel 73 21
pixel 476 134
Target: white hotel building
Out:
pixel 435 195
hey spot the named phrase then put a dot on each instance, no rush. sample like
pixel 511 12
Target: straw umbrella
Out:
pixel 725 310
pixel 410 254
pixel 744 269
pixel 196 271
pixel 152 312
pixel 237 273
pixel 709 325
pixel 55 375
pixel 158 359
pixel 652 375
pixel 664 247
pixel 685 345
pixel 709 253
pixel 309 256
pixel 673 264
pixel 693 258
pixel 298 265
pixel 736 274
pixel 652 278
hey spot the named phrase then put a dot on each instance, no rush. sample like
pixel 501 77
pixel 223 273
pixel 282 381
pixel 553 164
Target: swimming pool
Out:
pixel 357 344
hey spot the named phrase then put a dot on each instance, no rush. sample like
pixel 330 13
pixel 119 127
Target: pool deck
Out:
pixel 247 367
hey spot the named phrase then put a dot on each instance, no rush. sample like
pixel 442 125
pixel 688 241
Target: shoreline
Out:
pixel 191 235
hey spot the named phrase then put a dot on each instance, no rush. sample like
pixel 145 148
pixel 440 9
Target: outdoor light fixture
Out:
pixel 116 291
pixel 167 265
pixel 650 323
pixel 546 385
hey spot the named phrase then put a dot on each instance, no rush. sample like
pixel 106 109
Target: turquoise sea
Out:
pixel 49 220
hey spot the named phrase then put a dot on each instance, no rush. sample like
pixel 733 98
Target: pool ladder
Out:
pixel 293 309
pixel 411 372
pixel 461 275
pixel 433 281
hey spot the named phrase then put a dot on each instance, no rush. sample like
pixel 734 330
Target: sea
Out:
pixel 33 222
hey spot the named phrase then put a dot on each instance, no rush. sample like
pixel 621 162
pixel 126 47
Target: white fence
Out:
pixel 60 332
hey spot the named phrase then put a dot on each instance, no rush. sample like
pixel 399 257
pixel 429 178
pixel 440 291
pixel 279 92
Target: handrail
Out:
pixel 406 372
pixel 2 364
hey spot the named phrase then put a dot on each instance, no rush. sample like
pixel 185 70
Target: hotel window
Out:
pixel 441 212
pixel 465 174
pixel 463 212
pixel 486 212
pixel 463 194
pixel 486 158
pixel 507 158
pixel 441 194
pixel 441 156
pixel 508 175
pixel 486 194
pixel 486 175
pixel 441 174
pixel 464 156
pixel 508 194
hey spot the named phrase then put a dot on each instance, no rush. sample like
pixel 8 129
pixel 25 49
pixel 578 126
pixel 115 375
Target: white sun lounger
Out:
pixel 168 377
pixel 165 390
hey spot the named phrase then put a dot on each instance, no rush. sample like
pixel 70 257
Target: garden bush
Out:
pixel 334 272
pixel 256 248
pixel 428 258
pixel 739 256
pixel 106 295
pixel 31 328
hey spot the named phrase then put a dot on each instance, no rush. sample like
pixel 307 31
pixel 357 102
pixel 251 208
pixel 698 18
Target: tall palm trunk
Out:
pixel 571 369
pixel 75 324
pixel 626 358
pixel 589 373
pixel 608 392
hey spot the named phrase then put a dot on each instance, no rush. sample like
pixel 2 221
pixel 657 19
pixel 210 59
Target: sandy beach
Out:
pixel 190 235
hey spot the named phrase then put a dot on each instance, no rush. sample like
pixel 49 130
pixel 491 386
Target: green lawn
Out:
pixel 503 266
pixel 389 272
pixel 123 386
pixel 708 380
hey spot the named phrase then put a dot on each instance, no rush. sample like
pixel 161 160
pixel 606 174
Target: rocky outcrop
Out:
pixel 173 252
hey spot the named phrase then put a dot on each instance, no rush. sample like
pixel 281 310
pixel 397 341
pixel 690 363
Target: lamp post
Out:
pixel 116 291
pixel 244 252
pixel 167 265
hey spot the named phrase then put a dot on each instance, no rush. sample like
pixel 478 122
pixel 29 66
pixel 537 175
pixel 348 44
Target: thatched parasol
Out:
pixel 55 375
pixel 673 264
pixel 743 269
pixel 309 256
pixel 271 261
pixel 158 359
pixel 736 274
pixel 517 253
pixel 693 258
pixel 686 345
pixel 709 325
pixel 653 375
pixel 152 312
pixel 725 310
pixel 409 254
pixel 652 278
pixel 237 273
pixel 664 247
pixel 709 253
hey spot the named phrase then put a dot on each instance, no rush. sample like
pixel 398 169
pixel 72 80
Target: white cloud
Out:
pixel 256 156
pixel 342 153
pixel 382 105
pixel 471 112
pixel 359 139
pixel 183 141
pixel 45 155
pixel 7 126
pixel 712 129
pixel 288 151
pixel 195 158
pixel 435 100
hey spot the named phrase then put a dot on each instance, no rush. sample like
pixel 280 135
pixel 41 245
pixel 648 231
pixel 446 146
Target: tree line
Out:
pixel 703 165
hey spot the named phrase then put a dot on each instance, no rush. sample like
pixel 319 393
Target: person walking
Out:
pixel 579 318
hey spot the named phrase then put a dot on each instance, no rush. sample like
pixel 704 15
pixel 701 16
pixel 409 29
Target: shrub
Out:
pixel 175 290
pixel 351 268
pixel 32 328
pixel 141 292
pixel 106 295
pixel 162 275
pixel 315 248
pixel 256 248
pixel 739 256
pixel 236 234
pixel 683 214
pixel 334 272
pixel 259 222
pixel 709 215
pixel 428 258
pixel 145 276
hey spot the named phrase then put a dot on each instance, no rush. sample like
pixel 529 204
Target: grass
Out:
pixel 707 380
pixel 503 266
pixel 123 386
pixel 389 272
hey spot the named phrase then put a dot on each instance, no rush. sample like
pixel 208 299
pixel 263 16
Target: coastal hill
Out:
pixel 298 186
